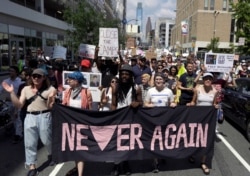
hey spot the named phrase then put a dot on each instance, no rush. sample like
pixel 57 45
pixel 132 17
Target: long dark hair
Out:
pixel 121 87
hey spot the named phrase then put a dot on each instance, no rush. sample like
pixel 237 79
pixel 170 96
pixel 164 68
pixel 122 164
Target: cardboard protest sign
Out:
pixel 108 42
pixel 130 43
pixel 150 54
pixel 87 51
pixel 219 62
pixel 59 52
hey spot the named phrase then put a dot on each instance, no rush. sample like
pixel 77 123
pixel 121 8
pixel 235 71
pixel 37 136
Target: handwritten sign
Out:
pixel 108 42
pixel 219 62
pixel 87 51
pixel 59 52
pixel 150 54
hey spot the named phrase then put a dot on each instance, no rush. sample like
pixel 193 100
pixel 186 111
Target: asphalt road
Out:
pixel 231 158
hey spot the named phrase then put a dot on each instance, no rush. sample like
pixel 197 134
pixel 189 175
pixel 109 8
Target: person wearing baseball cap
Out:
pixel 40 96
pixel 86 65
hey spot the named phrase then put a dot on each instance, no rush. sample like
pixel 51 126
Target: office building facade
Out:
pixel 163 27
pixel 197 22
pixel 32 24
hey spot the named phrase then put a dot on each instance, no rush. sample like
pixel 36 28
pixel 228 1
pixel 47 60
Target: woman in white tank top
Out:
pixel 204 95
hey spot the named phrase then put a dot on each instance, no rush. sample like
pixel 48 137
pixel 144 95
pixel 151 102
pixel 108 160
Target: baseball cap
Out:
pixel 39 71
pixel 207 75
pixel 85 63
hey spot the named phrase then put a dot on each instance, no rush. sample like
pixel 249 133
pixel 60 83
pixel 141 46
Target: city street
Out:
pixel 231 157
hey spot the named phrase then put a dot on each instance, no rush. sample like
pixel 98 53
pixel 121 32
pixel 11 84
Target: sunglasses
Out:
pixel 36 76
pixel 113 81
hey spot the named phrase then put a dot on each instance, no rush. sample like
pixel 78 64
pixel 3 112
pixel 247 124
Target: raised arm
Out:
pixel 18 103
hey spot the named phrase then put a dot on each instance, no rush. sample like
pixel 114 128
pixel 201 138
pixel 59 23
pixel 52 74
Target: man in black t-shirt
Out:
pixel 186 84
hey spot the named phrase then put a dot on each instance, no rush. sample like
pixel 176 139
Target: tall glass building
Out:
pixel 139 16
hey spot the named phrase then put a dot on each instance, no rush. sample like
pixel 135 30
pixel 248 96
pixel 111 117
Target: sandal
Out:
pixel 205 169
pixel 72 172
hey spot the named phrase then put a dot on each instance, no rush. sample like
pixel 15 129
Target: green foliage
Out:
pixel 214 45
pixel 241 13
pixel 86 22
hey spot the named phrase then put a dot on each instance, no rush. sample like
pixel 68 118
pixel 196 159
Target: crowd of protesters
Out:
pixel 126 81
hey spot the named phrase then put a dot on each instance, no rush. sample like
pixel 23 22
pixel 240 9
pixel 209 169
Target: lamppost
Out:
pixel 216 13
pixel 125 22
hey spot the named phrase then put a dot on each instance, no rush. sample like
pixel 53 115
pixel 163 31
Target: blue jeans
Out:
pixel 36 126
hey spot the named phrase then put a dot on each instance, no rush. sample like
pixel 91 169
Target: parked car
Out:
pixel 236 104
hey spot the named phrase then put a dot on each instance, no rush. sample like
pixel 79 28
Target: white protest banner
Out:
pixel 218 62
pixel 59 52
pixel 108 42
pixel 87 51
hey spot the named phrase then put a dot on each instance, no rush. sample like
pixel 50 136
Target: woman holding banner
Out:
pixel 204 95
pixel 79 97
pixel 159 96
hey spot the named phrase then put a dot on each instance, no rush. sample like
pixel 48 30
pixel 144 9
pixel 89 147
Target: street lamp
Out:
pixel 216 13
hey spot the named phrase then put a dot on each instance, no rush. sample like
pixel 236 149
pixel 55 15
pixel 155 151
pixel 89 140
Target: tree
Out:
pixel 86 21
pixel 214 45
pixel 241 14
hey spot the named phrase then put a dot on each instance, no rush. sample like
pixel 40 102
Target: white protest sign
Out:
pixel 59 52
pixel 108 42
pixel 48 51
pixel 218 62
pixel 87 51
pixel 92 81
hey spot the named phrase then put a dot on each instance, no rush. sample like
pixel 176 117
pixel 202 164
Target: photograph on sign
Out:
pixel 108 42
pixel 218 62
pixel 87 51
pixel 95 83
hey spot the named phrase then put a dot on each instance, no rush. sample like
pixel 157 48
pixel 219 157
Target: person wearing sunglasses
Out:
pixel 106 96
pixel 38 121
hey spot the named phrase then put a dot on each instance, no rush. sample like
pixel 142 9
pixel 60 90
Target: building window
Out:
pixel 205 4
pixel 230 6
pixel 212 5
pixel 224 6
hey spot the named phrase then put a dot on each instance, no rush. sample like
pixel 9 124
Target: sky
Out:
pixel 152 9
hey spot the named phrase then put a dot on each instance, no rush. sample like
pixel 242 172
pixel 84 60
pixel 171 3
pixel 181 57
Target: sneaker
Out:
pixel 50 161
pixel 115 171
pixel 126 168
pixel 72 172
pixel 155 166
pixel 32 172
pixel 16 139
